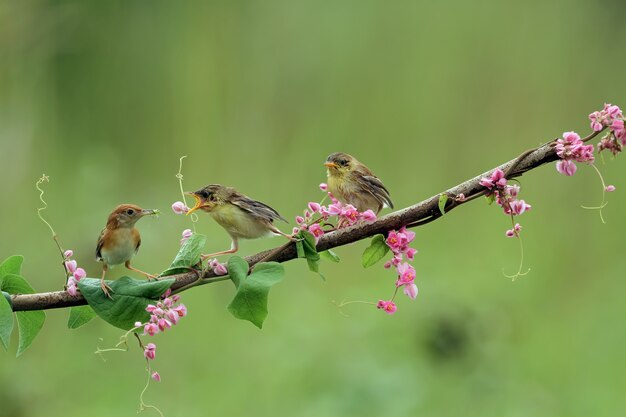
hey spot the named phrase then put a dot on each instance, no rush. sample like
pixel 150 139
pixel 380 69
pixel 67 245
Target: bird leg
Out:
pixel 103 285
pixel 147 275
pixel 234 247
pixel 278 232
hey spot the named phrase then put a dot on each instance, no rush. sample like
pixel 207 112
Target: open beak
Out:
pixel 197 206
pixel 330 164
pixel 149 212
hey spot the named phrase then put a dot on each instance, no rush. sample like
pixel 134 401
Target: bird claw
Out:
pixel 106 289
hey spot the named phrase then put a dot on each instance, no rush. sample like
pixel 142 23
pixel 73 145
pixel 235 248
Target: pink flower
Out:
pixel 518 207
pixel 388 306
pixel 514 232
pixel 393 240
pixel 181 310
pixel 71 266
pixel 407 236
pixel 68 254
pixel 155 376
pixel 79 274
pixel 150 308
pixel 610 188
pixel 314 207
pixel 164 324
pixel 335 209
pixel 323 186
pixel 217 267
pixel 138 324
pixel 317 231
pixel 172 316
pixel 179 207
pixel 410 253
pixel 149 351
pixel 410 290
pixel 151 329
pixel 369 216
pixel 566 167
pixel 406 274
pixel 186 235
pixel 496 179
pixel 71 288
pixel 299 219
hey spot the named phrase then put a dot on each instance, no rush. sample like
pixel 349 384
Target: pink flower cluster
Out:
pixel 347 215
pixel 611 116
pixel 398 242
pixel 571 148
pixel 506 197
pixel 74 273
pixel 163 315
pixel 180 208
pixel 606 118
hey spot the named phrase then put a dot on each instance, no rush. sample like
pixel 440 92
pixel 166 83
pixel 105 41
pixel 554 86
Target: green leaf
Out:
pixel 15 284
pixel 79 316
pixel 330 256
pixel 443 199
pixel 188 255
pixel 300 249
pixel 29 323
pixel 310 251
pixel 237 269
pixel 11 265
pixel 250 302
pixel 6 322
pixel 130 299
pixel 375 251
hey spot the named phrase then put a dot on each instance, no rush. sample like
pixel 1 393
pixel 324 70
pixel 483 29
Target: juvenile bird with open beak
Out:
pixel 119 241
pixel 351 182
pixel 241 216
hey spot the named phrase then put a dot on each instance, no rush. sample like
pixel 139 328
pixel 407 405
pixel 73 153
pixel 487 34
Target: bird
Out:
pixel 119 241
pixel 351 182
pixel 241 216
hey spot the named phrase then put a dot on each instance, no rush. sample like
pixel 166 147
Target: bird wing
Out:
pixel 99 244
pixel 376 188
pixel 256 208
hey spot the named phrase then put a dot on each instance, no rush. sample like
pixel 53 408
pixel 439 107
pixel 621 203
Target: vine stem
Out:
pixel 416 215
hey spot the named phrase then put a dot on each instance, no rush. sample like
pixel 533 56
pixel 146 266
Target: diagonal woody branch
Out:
pixel 412 216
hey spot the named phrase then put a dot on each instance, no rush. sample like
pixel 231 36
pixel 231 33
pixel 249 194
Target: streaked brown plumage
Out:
pixel 241 216
pixel 351 182
pixel 120 240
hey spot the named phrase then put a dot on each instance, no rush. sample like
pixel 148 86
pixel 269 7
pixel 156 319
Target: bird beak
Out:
pixel 149 212
pixel 330 164
pixel 197 206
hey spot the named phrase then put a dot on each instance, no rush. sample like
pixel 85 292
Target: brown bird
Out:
pixel 241 216
pixel 351 182
pixel 120 240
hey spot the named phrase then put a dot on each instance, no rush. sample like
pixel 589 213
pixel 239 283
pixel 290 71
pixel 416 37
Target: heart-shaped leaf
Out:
pixel 29 323
pixel 375 251
pixel 250 302
pixel 80 315
pixel 11 265
pixel 188 255
pixel 130 297
pixel 6 322
pixel 330 256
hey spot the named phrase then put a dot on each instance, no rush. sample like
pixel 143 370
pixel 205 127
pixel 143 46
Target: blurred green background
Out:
pixel 104 97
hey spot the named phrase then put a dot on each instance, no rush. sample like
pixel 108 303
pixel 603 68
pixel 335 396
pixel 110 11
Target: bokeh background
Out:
pixel 104 97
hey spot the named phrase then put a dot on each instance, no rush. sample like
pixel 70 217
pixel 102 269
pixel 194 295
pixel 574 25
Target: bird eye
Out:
pixel 204 194
pixel 343 162
pixel 130 212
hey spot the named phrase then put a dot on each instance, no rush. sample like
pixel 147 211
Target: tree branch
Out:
pixel 412 216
